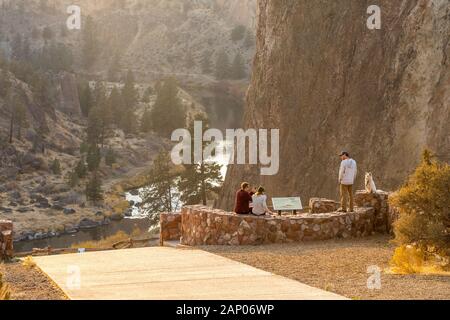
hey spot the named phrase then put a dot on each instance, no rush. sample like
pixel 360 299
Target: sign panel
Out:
pixel 287 204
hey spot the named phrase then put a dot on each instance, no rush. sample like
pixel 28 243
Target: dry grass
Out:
pixel 340 266
pixel 108 242
pixel 29 284
pixel 5 293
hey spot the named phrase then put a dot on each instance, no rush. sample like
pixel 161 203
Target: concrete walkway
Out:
pixel 163 273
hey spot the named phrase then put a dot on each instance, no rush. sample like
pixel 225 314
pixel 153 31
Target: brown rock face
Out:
pixel 329 83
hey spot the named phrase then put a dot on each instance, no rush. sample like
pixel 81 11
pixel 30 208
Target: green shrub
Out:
pixel 56 167
pixel 424 207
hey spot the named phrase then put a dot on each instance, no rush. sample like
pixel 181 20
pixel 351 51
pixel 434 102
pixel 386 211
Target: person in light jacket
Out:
pixel 259 200
pixel 347 176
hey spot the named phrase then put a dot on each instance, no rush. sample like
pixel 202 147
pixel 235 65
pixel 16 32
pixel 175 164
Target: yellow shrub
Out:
pixel 409 259
pixel 5 293
pixel 28 262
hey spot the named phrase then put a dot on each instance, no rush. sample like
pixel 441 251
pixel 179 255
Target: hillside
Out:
pixel 329 84
pixel 153 38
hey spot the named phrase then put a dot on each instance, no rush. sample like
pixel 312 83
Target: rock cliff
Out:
pixel 329 83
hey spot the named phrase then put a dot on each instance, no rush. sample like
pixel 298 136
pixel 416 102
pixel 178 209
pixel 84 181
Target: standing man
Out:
pixel 347 176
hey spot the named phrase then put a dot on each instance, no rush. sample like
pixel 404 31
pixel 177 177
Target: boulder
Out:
pixel 69 211
pixel 87 223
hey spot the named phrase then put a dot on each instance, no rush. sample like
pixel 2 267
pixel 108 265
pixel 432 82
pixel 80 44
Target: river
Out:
pixel 139 219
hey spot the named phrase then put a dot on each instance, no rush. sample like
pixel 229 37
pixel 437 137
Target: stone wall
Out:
pixel 205 226
pixel 6 240
pixel 170 226
pixel 384 215
pixel 321 205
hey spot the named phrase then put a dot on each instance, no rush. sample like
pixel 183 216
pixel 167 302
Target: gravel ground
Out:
pixel 29 284
pixel 340 266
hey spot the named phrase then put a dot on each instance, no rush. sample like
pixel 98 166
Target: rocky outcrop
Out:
pixel 329 83
pixel 6 240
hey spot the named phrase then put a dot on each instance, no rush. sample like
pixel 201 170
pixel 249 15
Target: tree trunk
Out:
pixel 11 127
pixel 202 172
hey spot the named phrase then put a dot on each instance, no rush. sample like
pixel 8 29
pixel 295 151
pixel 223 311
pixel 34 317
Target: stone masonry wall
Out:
pixel 6 240
pixel 170 226
pixel 205 226
pixel 384 215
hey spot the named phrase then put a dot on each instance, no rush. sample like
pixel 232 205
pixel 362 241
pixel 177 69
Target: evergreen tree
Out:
pixel 238 67
pixel 56 167
pixel 168 112
pixel 238 33
pixel 199 179
pixel 146 121
pixel 73 179
pixel 110 157
pixel 116 104
pixel 86 98
pixel 93 158
pixel 147 94
pixel 129 92
pixel 81 169
pixel 222 66
pixel 94 190
pixel 89 46
pixel 159 194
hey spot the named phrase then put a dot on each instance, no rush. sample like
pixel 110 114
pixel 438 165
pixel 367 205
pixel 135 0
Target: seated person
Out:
pixel 259 200
pixel 243 199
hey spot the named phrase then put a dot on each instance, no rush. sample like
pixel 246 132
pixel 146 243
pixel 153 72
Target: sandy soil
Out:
pixel 29 284
pixel 340 266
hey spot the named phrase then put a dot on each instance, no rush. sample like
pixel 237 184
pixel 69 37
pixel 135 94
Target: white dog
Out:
pixel 370 184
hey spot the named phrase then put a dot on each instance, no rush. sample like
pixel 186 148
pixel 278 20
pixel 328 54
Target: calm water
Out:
pixel 139 219
pixel 99 233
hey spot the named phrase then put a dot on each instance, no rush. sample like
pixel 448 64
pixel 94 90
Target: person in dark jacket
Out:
pixel 243 199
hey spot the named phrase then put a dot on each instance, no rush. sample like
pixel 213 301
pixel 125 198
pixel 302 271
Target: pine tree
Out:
pixel 93 158
pixel 110 157
pixel 89 47
pixel 73 179
pixel 116 105
pixel 199 179
pixel 146 121
pixel 168 112
pixel 238 33
pixel 86 98
pixel 81 169
pixel 222 66
pixel 94 190
pixel 56 167
pixel 129 92
pixel 159 194
pixel 238 67
pixel 147 94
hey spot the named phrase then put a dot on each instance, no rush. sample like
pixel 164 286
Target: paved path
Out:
pixel 162 273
